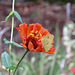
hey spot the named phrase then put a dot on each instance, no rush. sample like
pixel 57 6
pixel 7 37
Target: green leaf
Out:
pixel 11 13
pixel 62 52
pixel 5 59
pixel 0 73
pixel 57 69
pixel 21 68
pixel 16 44
pixel 11 67
pixel 6 41
pixel 30 68
pixel 13 43
pixel 18 16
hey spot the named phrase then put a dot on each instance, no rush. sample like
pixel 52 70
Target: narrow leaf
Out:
pixel 18 16
pixel 30 68
pixel 8 16
pixel 13 67
pixel 6 41
pixel 5 59
pixel 13 43
pixel 16 44
pixel 20 68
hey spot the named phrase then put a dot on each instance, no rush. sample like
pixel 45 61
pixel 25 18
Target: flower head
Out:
pixel 73 70
pixel 31 37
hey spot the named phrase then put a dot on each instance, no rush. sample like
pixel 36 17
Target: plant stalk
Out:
pixel 13 3
pixel 20 61
pixel 57 40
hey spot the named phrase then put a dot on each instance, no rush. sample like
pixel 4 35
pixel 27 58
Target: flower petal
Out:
pixel 51 51
pixel 44 31
pixel 23 31
pixel 23 28
pixel 37 27
pixel 30 28
pixel 38 49
pixel 23 45
pixel 31 47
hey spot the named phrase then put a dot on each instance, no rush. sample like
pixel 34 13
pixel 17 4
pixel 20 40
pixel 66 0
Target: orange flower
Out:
pixel 73 70
pixel 31 37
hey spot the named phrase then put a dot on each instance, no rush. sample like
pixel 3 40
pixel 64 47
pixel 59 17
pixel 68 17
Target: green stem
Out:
pixel 11 34
pixel 57 40
pixel 20 61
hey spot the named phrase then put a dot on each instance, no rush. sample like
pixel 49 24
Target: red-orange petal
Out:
pixel 44 31
pixel 31 47
pixel 23 28
pixel 30 28
pixel 38 49
pixel 23 45
pixel 37 27
pixel 23 32
pixel 51 51
pixel 52 41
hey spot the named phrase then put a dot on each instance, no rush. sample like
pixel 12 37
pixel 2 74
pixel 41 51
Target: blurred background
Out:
pixel 58 16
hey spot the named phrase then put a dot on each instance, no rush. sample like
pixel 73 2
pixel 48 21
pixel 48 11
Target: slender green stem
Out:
pixel 11 39
pixel 20 61
pixel 13 4
pixel 11 34
pixel 57 40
